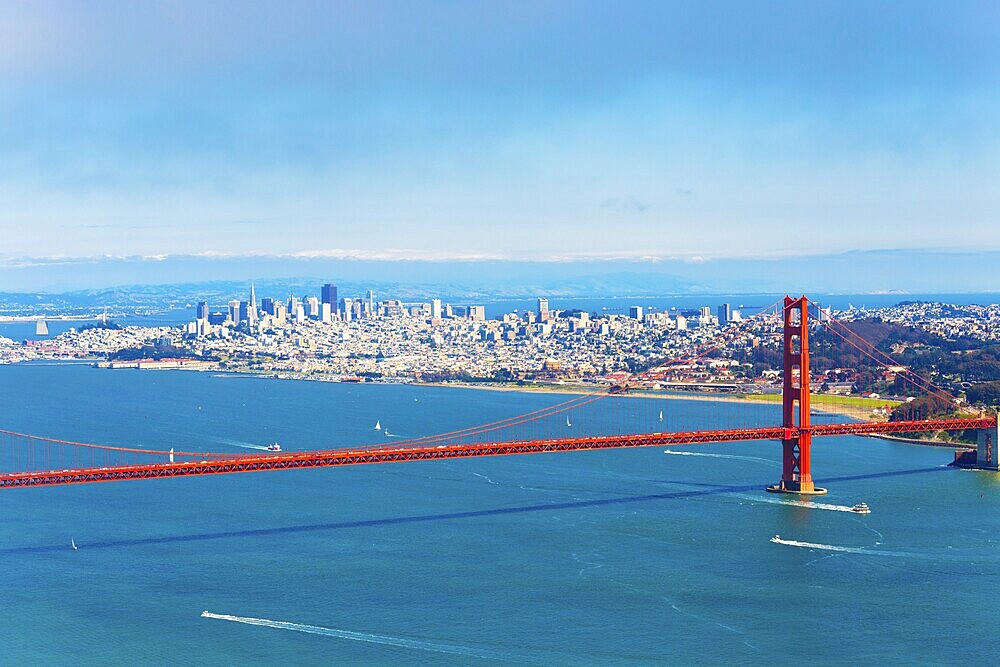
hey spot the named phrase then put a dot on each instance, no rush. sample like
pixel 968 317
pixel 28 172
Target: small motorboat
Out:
pixel 274 447
pixel 861 508
pixel 776 538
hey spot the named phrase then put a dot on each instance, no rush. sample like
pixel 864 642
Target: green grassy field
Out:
pixel 831 400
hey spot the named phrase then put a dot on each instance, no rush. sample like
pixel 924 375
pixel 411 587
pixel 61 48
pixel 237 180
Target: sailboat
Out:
pixel 567 421
pixel 72 543
pixel 661 415
pixel 378 425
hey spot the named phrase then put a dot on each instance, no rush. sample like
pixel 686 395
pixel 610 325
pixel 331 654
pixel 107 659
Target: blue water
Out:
pixel 623 557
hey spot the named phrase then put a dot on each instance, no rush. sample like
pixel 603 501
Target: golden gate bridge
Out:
pixel 31 461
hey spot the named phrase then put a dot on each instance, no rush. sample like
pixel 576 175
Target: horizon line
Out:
pixel 409 255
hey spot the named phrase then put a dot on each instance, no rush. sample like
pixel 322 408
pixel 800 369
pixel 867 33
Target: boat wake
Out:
pixel 800 503
pixel 241 444
pixel 833 547
pixel 758 459
pixel 386 640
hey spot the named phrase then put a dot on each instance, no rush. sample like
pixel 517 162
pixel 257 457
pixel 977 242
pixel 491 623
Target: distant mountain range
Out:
pixel 182 279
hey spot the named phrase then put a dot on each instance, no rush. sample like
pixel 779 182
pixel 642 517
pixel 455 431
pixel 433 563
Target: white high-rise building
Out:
pixel 252 308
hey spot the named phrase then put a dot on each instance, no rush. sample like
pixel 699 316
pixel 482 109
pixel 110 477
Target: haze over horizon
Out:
pixel 647 132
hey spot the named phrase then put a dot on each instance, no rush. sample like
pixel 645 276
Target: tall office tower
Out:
pixel 436 309
pixel 725 314
pixel 234 311
pixel 371 301
pixel 252 307
pixel 293 306
pixel 635 312
pixel 477 313
pixel 448 311
pixel 312 307
pixel 347 308
pixel 543 309
pixel 329 295
pixel 202 310
pixel 325 312
pixel 244 313
pixel 706 312
pixel 267 305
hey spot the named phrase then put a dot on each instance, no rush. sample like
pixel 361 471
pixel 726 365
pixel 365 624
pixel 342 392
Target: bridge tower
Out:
pixel 796 476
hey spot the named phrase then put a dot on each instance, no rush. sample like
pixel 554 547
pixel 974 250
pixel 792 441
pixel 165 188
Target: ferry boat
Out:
pixel 861 508
pixel 274 447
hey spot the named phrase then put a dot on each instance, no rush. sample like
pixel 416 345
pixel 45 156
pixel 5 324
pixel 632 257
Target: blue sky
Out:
pixel 535 130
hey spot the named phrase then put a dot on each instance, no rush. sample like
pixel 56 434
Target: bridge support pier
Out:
pixel 796 476
pixel 987 457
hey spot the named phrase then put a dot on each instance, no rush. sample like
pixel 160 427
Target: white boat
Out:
pixel 661 415
pixel 378 425
pixel 776 538
pixel 274 447
pixel 861 508
pixel 72 543
pixel 567 421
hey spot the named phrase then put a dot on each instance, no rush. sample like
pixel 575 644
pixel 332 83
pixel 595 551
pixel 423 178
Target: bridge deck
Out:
pixel 387 454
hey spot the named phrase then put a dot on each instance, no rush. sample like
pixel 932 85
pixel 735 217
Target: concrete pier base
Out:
pixel 986 449
pixel 796 488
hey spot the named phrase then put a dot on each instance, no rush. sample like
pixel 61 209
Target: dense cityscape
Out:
pixel 361 338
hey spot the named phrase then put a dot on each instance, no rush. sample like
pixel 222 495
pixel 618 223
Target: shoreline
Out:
pixel 922 442
pixel 583 391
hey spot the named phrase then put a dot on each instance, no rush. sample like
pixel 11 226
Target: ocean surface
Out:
pixel 617 557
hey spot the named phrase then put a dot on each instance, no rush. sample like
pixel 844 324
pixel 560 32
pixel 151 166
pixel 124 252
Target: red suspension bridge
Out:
pixel 28 461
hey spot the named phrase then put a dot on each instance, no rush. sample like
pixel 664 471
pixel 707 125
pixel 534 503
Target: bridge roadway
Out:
pixel 387 454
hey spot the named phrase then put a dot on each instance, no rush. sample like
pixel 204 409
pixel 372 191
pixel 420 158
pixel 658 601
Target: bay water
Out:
pixel 617 557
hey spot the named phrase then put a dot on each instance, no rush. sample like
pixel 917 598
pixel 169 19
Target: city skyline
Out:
pixel 545 132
